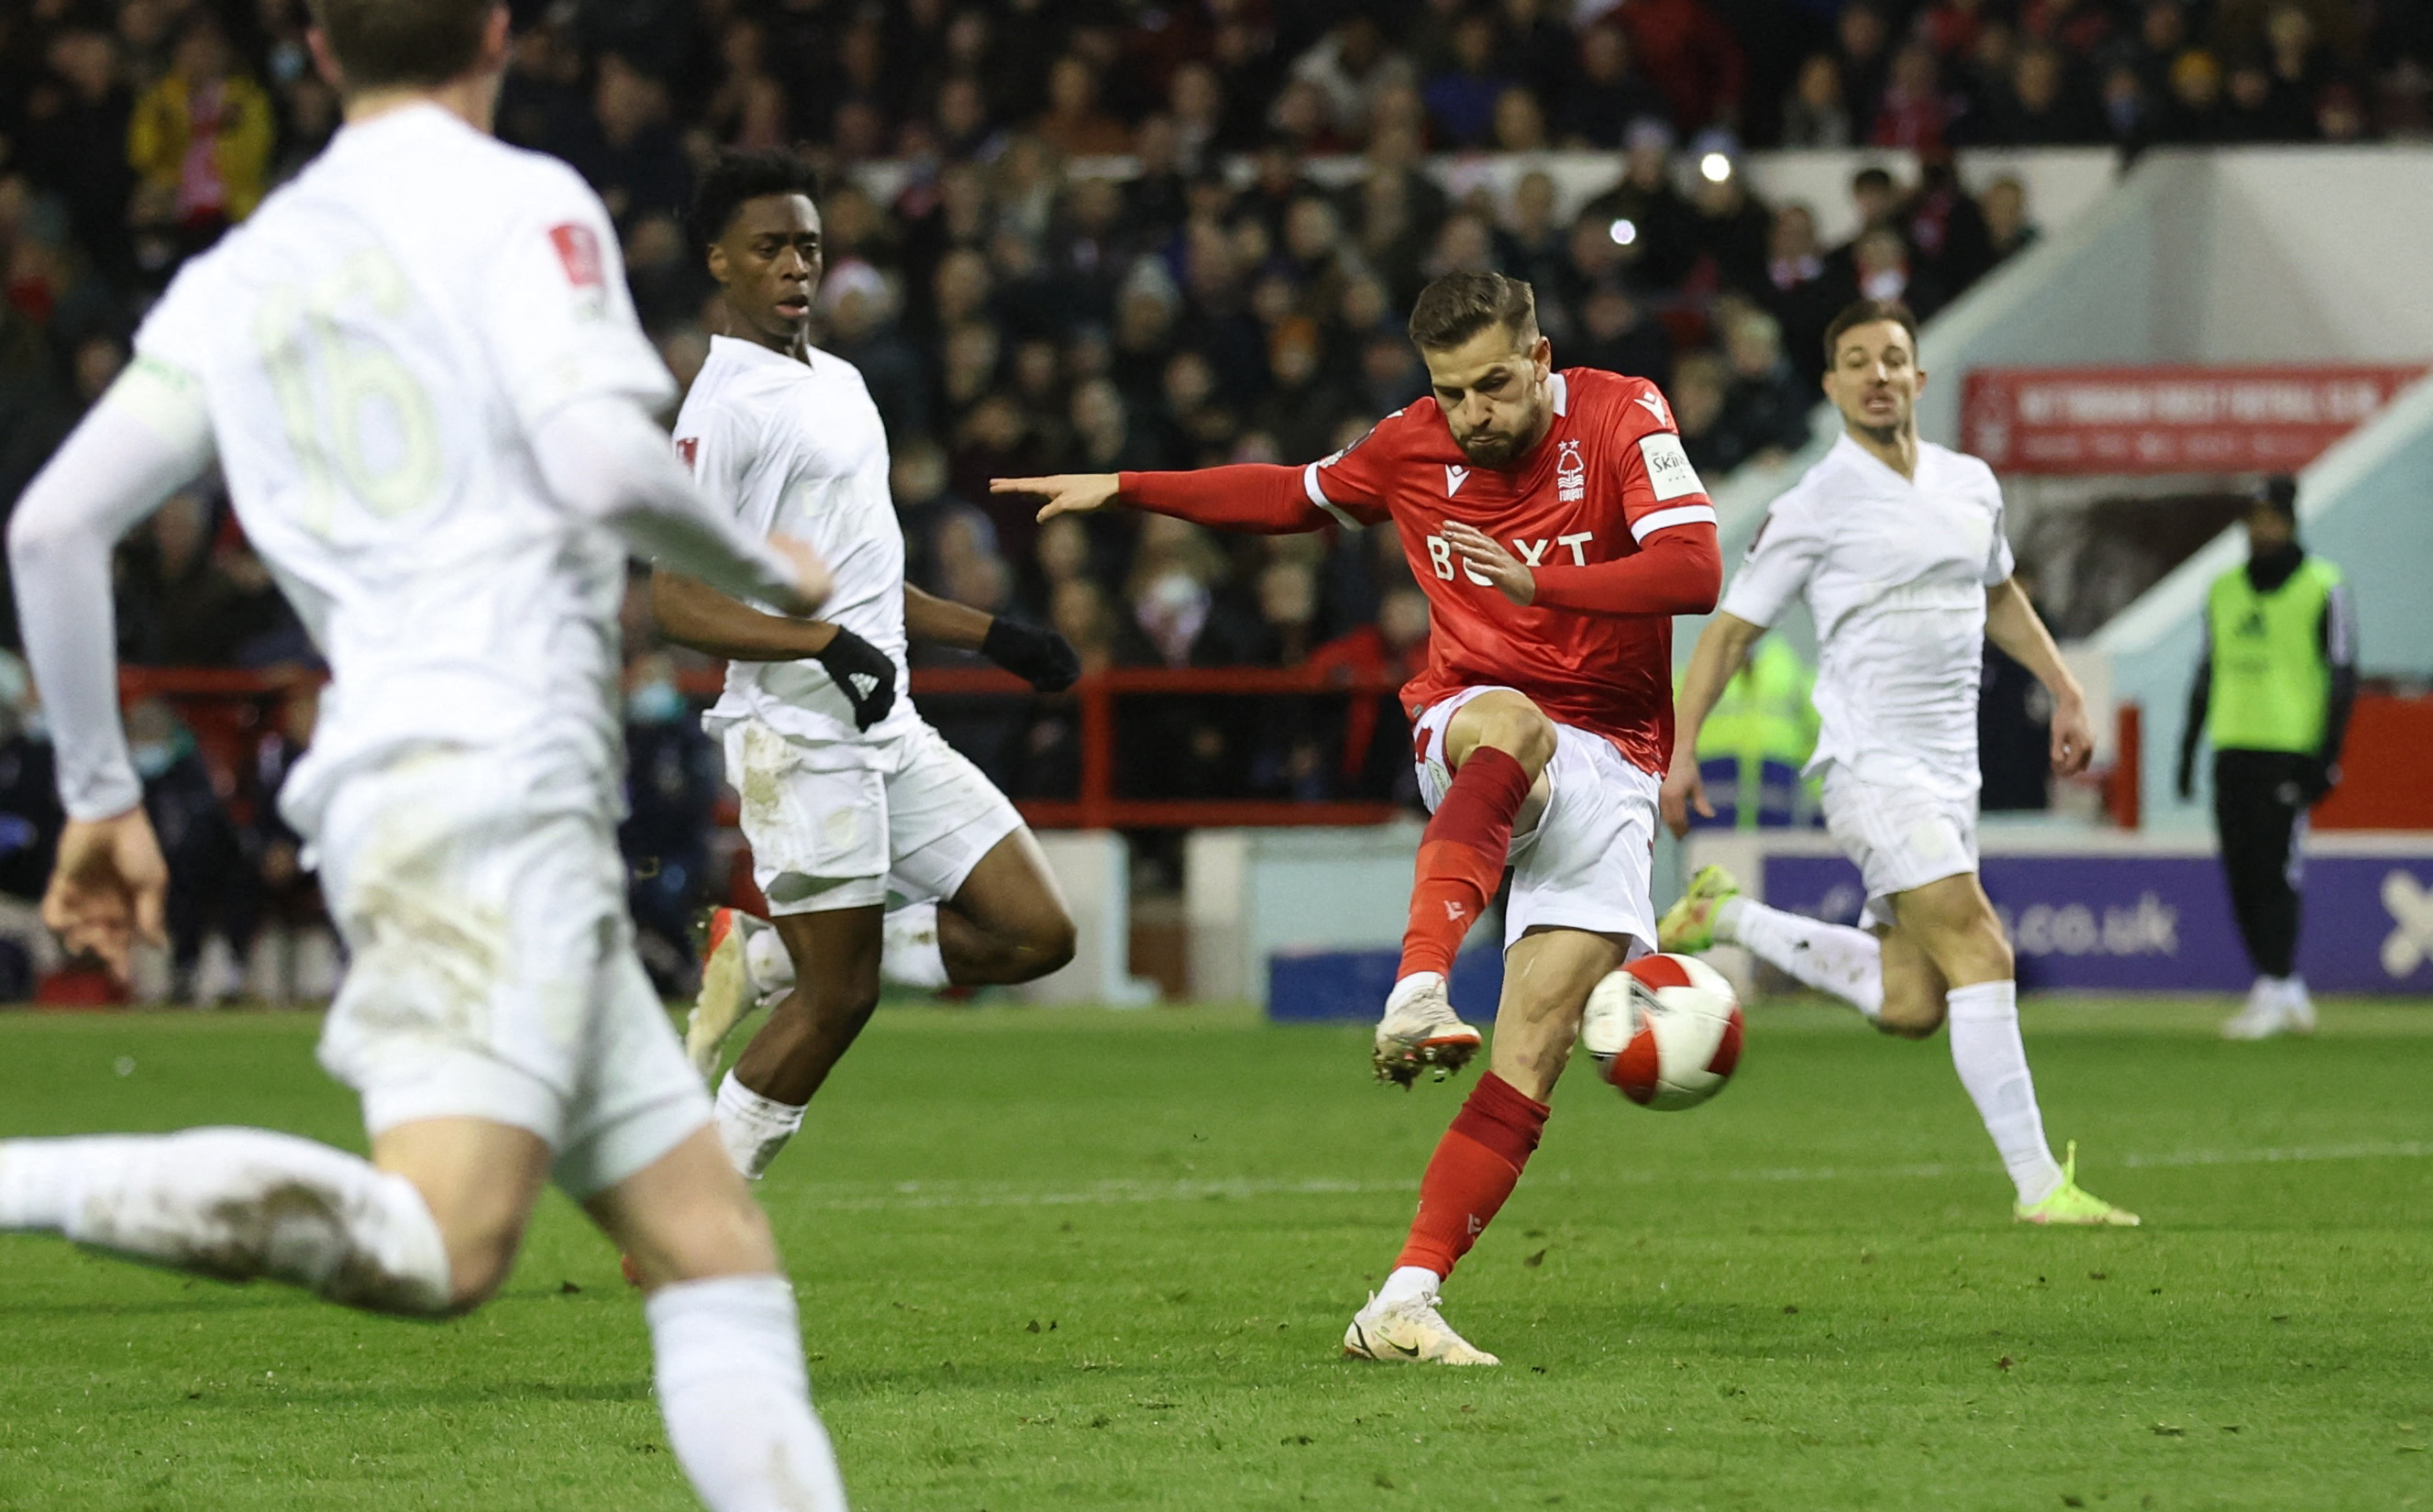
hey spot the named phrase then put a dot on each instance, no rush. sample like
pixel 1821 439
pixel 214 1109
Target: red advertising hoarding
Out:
pixel 2169 419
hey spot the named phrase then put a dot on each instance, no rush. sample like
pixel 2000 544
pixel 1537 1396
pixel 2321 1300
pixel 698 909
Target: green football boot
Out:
pixel 1688 926
pixel 2073 1204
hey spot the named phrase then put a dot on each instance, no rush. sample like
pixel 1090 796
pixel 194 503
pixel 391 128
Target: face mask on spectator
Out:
pixel 656 701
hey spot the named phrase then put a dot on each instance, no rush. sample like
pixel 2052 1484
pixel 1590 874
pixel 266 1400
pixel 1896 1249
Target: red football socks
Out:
pixel 1461 857
pixel 1474 1170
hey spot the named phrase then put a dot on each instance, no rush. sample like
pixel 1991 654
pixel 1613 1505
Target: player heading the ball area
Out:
pixel 1896 545
pixel 849 795
pixel 1557 527
pixel 418 371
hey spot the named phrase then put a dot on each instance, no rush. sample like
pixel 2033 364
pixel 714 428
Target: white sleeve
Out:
pixel 606 459
pixel 558 319
pixel 1779 565
pixel 1999 562
pixel 150 433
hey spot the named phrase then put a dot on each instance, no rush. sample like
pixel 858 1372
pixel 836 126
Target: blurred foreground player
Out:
pixel 418 368
pixel 849 795
pixel 1897 547
pixel 2273 692
pixel 1557 527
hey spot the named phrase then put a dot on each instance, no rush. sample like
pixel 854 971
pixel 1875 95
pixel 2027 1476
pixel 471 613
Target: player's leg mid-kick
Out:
pixel 1497 746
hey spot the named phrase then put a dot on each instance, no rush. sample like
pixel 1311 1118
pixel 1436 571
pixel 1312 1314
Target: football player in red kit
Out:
pixel 1557 527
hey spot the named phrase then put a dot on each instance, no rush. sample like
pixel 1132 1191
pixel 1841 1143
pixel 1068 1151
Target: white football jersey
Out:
pixel 1894 571
pixel 797 449
pixel 375 346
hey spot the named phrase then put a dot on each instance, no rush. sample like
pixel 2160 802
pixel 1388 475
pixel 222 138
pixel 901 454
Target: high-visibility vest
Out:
pixel 2272 687
pixel 1766 719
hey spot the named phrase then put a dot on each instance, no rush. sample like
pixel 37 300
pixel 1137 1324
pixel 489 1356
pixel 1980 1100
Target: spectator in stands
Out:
pixel 1727 228
pixel 1864 57
pixel 1645 214
pixel 2008 230
pixel 1701 383
pixel 1797 291
pixel 30 822
pixel 625 148
pixel 1603 93
pixel 1693 59
pixel 74 144
pixel 1766 406
pixel 200 139
pixel 210 897
pixel 295 953
pixel 1347 66
pixel 2045 106
pixel 1461 97
pixel 1915 113
pixel 2194 115
pixel 1815 114
pixel 671 781
pixel 1074 123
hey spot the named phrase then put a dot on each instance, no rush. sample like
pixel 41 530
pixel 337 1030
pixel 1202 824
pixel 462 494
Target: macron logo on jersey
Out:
pixel 1454 478
pixel 1653 403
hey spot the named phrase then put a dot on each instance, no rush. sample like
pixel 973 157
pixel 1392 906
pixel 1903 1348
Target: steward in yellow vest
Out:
pixel 2272 693
pixel 1759 735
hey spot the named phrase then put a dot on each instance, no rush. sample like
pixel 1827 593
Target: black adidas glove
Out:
pixel 863 675
pixel 1036 654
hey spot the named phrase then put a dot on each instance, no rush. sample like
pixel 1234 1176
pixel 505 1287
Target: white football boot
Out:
pixel 1409 1332
pixel 1420 1029
pixel 726 994
pixel 2299 1008
pixel 2267 1013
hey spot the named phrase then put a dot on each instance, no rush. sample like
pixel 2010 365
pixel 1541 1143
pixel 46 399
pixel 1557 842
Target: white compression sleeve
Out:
pixel 236 1203
pixel 147 435
pixel 606 459
pixel 1831 957
pixel 728 1366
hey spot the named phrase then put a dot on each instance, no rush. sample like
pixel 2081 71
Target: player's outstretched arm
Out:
pixel 2012 623
pixel 693 614
pixel 1254 496
pixel 1722 648
pixel 1035 654
pixel 150 433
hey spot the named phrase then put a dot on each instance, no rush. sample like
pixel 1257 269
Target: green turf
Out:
pixel 1072 1258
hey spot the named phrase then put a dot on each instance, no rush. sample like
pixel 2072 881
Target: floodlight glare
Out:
pixel 1623 233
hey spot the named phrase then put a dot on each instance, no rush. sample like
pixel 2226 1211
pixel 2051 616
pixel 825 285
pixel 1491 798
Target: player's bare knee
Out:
pixel 1049 944
pixel 1910 1021
pixel 1524 733
pixel 478 1264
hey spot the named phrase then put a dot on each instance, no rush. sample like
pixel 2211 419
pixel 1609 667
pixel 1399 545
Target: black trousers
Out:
pixel 2258 805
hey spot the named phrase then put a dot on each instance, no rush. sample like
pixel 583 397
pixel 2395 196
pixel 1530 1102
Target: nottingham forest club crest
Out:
pixel 1571 475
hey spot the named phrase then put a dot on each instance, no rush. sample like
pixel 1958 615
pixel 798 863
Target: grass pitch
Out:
pixel 1059 1260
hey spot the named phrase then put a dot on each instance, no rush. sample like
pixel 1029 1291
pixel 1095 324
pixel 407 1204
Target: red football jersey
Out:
pixel 1610 473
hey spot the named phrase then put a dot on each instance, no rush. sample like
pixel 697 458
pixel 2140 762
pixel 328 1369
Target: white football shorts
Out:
pixel 1901 835
pixel 493 975
pixel 842 823
pixel 1585 864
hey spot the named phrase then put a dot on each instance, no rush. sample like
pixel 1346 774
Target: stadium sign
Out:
pixel 2108 420
pixel 2129 922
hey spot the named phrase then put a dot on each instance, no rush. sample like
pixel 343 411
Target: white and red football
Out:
pixel 1665 1031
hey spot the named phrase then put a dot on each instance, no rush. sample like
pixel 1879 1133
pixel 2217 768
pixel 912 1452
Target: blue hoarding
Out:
pixel 2129 922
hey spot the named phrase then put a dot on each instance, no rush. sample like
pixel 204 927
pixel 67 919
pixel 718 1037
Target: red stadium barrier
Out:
pixel 222 704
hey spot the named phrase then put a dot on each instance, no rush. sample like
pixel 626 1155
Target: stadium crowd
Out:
pixel 1040 262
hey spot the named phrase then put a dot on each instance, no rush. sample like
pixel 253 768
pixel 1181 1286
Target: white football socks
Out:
pixel 237 1203
pixel 753 1128
pixel 728 1366
pixel 1410 1283
pixel 1831 957
pixel 1993 1065
pixel 912 957
pixel 909 956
